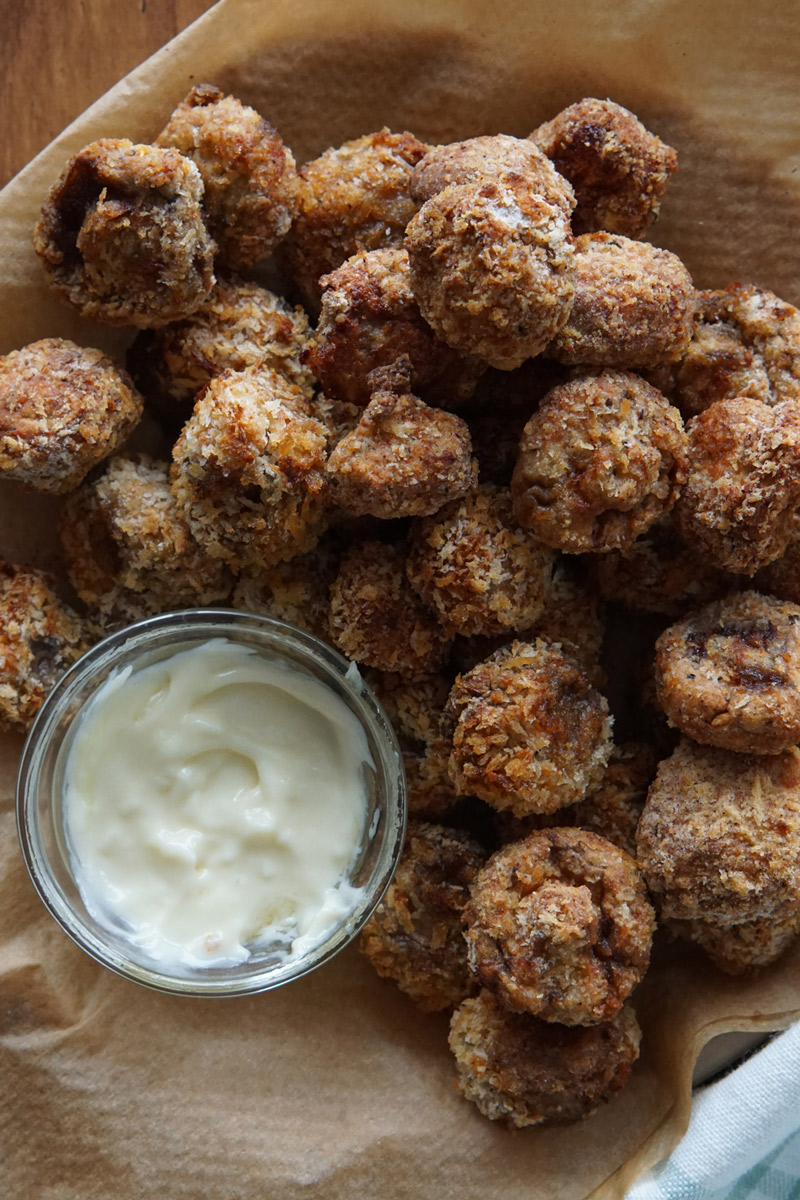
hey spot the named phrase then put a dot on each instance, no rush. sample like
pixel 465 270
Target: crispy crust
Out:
pixel 297 591
pixel 741 949
pixel 483 158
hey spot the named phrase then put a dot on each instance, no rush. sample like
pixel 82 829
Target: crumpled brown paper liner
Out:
pixel 336 1087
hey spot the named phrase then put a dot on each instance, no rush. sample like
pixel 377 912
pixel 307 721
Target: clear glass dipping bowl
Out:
pixel 40 786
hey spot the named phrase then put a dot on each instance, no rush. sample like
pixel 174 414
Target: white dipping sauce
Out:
pixel 215 799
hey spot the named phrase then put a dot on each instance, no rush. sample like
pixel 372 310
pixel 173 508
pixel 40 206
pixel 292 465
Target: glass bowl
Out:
pixel 41 783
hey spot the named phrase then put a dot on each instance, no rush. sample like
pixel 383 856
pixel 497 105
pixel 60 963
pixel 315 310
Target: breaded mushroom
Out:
pixel 492 269
pixel 719 838
pixel 526 1071
pixel 600 461
pixel 530 733
pixel 370 319
pixel 128 549
pixel 741 949
pixel 249 174
pixel 559 925
pixel 572 617
pixel 122 235
pixel 619 170
pixel 415 936
pixel 248 470
pixel 492 157
pixel 473 565
pixel 297 591
pixel 633 306
pixel 238 326
pixel 499 409
pixel 355 197
pixel 40 637
pixel 377 618
pixel 729 674
pixel 63 409
pixel 740 502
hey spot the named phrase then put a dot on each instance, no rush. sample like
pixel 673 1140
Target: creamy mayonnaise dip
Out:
pixel 213 800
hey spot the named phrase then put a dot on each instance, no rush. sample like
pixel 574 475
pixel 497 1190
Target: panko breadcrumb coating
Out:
pixel 619 170
pixel 526 1071
pixel 63 409
pixel 633 305
pixel 740 949
pixel 248 470
pixel 238 326
pixel 297 591
pixel 729 674
pixel 719 838
pixel 376 617
pixel 355 197
pixel 403 459
pixel 415 936
pixel 492 157
pixel 40 637
pixel 127 548
pixel 492 269
pixel 740 502
pixel 249 174
pixel 370 319
pixel 473 565
pixel 559 926
pixel 599 462
pixel 122 235
pixel 530 733
pixel 746 342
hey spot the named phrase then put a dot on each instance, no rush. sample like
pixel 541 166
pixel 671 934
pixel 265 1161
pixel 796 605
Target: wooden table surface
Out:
pixel 57 56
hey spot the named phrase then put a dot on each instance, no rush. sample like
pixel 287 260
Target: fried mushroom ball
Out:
pixel 352 198
pixel 633 306
pixel 526 1071
pixel 740 949
pixel 530 733
pixel 492 269
pixel 296 591
pixel 728 675
pixel 719 837
pixel 40 637
pixel 474 566
pixel 739 504
pixel 559 926
pixel 377 618
pixel 572 617
pixel 370 319
pixel 599 462
pixel 63 409
pixel 415 936
pixel 249 174
pixel 248 471
pixel 619 170
pixel 122 235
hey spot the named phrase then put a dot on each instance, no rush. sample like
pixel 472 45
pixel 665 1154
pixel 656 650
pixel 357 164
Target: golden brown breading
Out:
pixel 719 838
pixel 740 502
pixel 377 618
pixel 559 926
pixel 40 637
pixel 729 674
pixel 633 305
pixel 63 409
pixel 746 342
pixel 297 591
pixel 122 235
pixel 619 170
pixel 352 198
pixel 403 459
pixel 740 949
pixel 415 935
pixel 249 174
pixel 517 1068
pixel 492 269
pixel 370 319
pixel 599 462
pixel 530 733
pixel 238 326
pixel 483 158
pixel 477 569
pixel 128 549
pixel 248 470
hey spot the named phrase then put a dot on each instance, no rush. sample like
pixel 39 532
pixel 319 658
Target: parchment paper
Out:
pixel 336 1086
